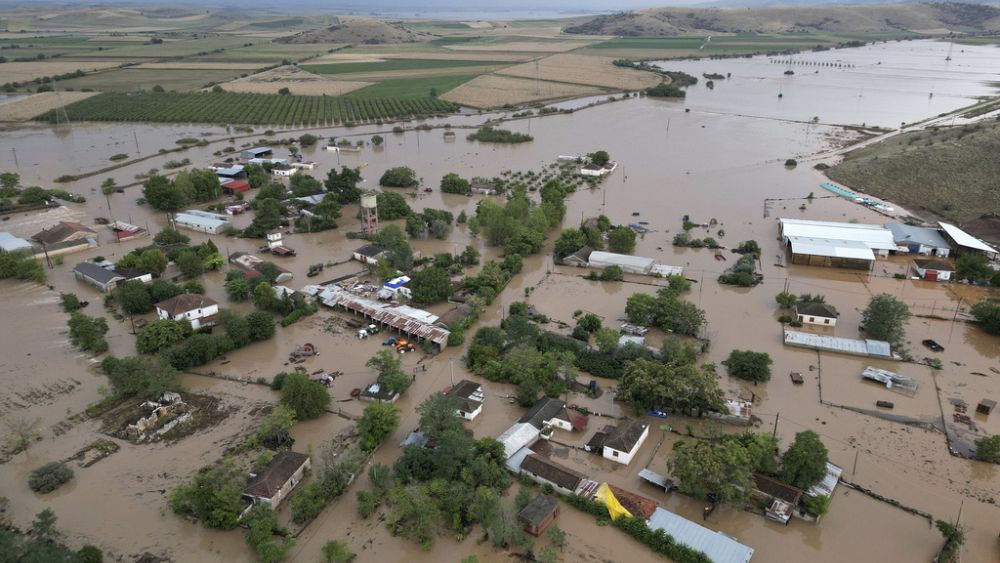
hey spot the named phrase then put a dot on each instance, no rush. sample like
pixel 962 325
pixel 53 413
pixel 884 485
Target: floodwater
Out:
pixel 715 162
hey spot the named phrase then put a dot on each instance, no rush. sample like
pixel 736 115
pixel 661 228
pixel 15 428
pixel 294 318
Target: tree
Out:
pixel 752 366
pixel 392 206
pixel 613 273
pixel 557 536
pixel 189 263
pixel 335 551
pixel 198 185
pixel 804 464
pixel 134 298
pixel 262 524
pixel 214 495
pixel 590 323
pixel 140 376
pixel 9 181
pixel 261 325
pixel 43 526
pixel 390 371
pixel 713 471
pixel 988 449
pixel 430 285
pixel 170 236
pixel 307 140
pixel 153 261
pixel 648 384
pixel 49 477
pixel 954 536
pixel 885 318
pixel 606 339
pixel 303 184
pixel 399 177
pixel 87 333
pixel 987 315
pixel 377 140
pixel 376 423
pixel 264 297
pixel 307 398
pixel 21 433
pixel 108 187
pixel 971 266
pixel 786 300
pixel 599 158
pixel 273 430
pixel 344 185
pixel 160 335
pixel 452 183
pixel 238 330
pixel 267 217
pixel 256 175
pixel 238 289
pixel 162 194
pixel 34 195
pixel 90 554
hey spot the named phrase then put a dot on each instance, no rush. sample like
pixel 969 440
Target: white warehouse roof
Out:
pixel 719 547
pixel 876 237
pixel 963 238
pixel 832 248
pixel 10 243
pixel 634 264
pixel 188 219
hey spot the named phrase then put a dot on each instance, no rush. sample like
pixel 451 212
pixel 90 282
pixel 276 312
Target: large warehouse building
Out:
pixel 842 245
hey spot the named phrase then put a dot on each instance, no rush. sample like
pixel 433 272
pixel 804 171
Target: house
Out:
pixel 841 245
pixel 548 412
pixel 378 393
pixel 924 241
pixel 134 274
pixel 544 471
pixel 201 221
pixel 779 498
pixel 283 170
pixel 597 170
pixel 308 165
pixel 276 481
pixel 368 254
pixel 624 441
pixel 538 514
pixel 580 258
pixel 719 547
pixel 199 310
pixel 102 278
pixel 256 152
pixel 964 242
pixel 933 270
pixel 10 243
pixel 816 313
pixel 483 188
pixel 62 232
pixel 469 397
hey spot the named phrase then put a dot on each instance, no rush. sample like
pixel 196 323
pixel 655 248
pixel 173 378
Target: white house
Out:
pixel 548 412
pixel 199 310
pixel 816 314
pixel 625 440
pixel 934 270
pixel 469 397
pixel 368 254
pixel 283 170
pixel 308 165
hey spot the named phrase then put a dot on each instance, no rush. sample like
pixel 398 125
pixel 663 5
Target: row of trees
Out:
pixel 189 186
pixel 667 309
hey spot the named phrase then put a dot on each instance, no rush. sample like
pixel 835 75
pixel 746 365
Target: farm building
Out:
pixel 277 480
pixel 483 188
pixel 780 498
pixel 233 187
pixel 964 242
pixel 520 435
pixel 256 152
pixel 227 172
pixel 134 274
pixel 580 258
pixel 624 440
pixel 469 397
pixel 377 393
pixel 919 240
pixel 368 254
pixel 63 232
pixel 102 278
pixel 263 161
pixel 869 348
pixel 414 323
pixel 538 514
pixel 199 310
pixel 719 547
pixel 629 264
pixel 816 314
pixel 842 245
pixel 934 270
pixel 308 165
pixel 10 243
pixel 201 221
pixel 544 471
pixel 597 171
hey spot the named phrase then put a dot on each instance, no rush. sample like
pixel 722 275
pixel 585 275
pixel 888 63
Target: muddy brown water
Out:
pixel 705 163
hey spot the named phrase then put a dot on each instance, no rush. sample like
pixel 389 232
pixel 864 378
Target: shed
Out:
pixel 580 258
pixel 518 436
pixel 719 547
pixel 809 251
pixel 934 270
pixel 919 240
pixel 547 412
pixel 544 471
pixel 235 187
pixel 986 406
pixel 200 222
pixel 539 514
pixel 97 276
pixel 629 264
pixel 256 152
pixel 277 480
pixel 870 348
pixel 816 313
pixel 966 242
pixel 377 393
pixel 654 478
pixel 10 243
pixel 368 254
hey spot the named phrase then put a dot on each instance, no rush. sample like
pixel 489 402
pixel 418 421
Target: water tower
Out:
pixel 369 212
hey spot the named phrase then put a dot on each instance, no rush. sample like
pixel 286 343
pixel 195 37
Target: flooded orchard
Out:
pixel 710 157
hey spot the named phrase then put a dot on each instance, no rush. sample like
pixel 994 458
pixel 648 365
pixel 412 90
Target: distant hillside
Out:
pixel 951 171
pixel 358 30
pixel 842 19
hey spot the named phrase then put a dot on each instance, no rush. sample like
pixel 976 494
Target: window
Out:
pixel 812 319
pixel 826 321
pixel 614 453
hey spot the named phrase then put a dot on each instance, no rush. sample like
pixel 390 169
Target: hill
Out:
pixel 937 17
pixel 949 171
pixel 365 31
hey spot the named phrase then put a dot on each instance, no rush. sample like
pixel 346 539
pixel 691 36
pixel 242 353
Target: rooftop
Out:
pixel 831 247
pixel 61 231
pixel 552 471
pixel 599 257
pixel 774 488
pixel 538 510
pixel 401 317
pixel 544 409
pixel 963 238
pixel 624 436
pixel 519 435
pixel 10 243
pixel 931 264
pixel 467 394
pixel 259 150
pixel 185 302
pixel 875 237
pixel 96 272
pixel 199 220
pixel 873 348
pixel 369 250
pixel 268 482
pixel 920 235
pixel 814 309
pixel 638 505
pixel 716 545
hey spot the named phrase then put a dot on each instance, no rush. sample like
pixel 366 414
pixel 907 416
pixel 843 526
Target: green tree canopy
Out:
pixel 714 471
pixel 804 463
pixel 134 297
pixel 140 376
pixel 430 285
pixel 987 315
pixel 213 496
pixel 376 423
pixel 162 194
pixel 399 177
pixel 621 239
pixel 160 335
pixel 307 398
pixel 344 185
pixel 885 318
pixel 752 366
pixel 683 387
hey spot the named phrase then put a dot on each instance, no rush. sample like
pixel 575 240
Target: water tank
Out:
pixel 368 201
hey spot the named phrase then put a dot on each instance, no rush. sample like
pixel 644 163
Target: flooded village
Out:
pixel 739 162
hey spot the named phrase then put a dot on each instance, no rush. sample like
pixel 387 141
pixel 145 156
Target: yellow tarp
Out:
pixel 615 509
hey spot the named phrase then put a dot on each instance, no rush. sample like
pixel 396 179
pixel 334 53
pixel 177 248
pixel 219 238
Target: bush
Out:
pixel 307 398
pixel 752 366
pixel 368 502
pixel 49 477
pixel 70 302
pixel 988 449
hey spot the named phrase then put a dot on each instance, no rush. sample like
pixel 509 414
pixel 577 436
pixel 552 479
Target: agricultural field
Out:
pixel 251 109
pixel 24 72
pixel 411 88
pixel 270 53
pixel 393 65
pixel 180 48
pixel 24 109
pixel 192 65
pixel 581 69
pixel 137 79
pixel 738 44
pixel 524 45
pixel 32 48
pixel 491 90
pixel 297 80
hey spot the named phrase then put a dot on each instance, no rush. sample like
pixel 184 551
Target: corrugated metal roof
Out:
pixel 187 219
pixel 873 348
pixel 402 317
pixel 963 238
pixel 10 243
pixel 716 545
pixel 832 248
pixel 875 237
pixel 926 236
pixel 518 436
pixel 514 462
pixel 664 270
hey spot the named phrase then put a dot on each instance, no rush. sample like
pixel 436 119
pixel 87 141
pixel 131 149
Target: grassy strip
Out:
pixel 411 88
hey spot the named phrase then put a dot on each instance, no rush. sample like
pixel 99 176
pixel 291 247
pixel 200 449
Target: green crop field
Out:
pixel 252 109
pixel 395 64
pixel 411 88
pixel 137 79
pixel 179 48
pixel 269 53
pixel 29 48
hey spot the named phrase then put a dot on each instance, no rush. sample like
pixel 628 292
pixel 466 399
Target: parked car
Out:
pixel 933 345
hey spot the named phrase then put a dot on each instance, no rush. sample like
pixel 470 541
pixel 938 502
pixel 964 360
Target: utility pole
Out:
pixel 775 433
pixel 451 364
pixel 854 470
pixel 16 165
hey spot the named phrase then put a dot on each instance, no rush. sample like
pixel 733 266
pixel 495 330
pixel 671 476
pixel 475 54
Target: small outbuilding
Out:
pixel 11 243
pixel 816 313
pixel 986 406
pixel 368 254
pixel 256 152
pixel 276 481
pixel 539 514
pixel 378 393
pixel 924 241
pixel 102 278
pixel 548 412
pixel 624 440
pixel 580 258
pixel 934 270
